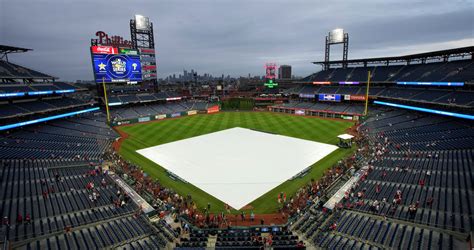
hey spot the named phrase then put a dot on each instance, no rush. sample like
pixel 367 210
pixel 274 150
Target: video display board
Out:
pixel 433 111
pixel 112 66
pixel 432 83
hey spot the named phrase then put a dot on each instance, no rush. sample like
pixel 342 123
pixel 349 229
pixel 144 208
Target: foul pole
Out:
pixel 106 101
pixel 367 96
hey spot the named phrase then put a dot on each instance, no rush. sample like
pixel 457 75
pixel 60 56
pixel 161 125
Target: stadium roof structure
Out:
pixel 13 72
pixel 5 50
pixel 440 55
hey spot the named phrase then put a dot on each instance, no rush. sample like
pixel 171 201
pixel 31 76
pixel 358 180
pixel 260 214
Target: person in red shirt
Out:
pixel 27 218
pixel 422 182
pixel 19 219
pixel 300 244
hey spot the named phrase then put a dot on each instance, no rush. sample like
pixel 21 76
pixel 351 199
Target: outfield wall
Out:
pixel 210 110
pixel 152 118
pixel 318 113
pixel 215 109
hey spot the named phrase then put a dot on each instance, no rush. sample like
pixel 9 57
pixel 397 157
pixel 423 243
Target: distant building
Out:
pixel 284 72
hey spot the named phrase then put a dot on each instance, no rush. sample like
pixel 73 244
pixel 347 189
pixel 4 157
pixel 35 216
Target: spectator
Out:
pixel 57 177
pixel 300 244
pixel 19 219
pixel 429 201
pixel 6 221
pixel 422 182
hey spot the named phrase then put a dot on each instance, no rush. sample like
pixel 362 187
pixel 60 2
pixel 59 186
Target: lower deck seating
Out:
pixel 69 204
pixel 417 193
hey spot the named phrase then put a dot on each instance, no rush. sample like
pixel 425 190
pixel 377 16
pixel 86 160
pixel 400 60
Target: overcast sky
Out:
pixel 233 37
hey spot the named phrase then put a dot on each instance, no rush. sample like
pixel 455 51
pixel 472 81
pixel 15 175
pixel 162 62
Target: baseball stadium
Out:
pixel 365 153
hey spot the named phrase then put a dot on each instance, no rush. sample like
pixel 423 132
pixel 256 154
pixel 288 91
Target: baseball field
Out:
pixel 144 135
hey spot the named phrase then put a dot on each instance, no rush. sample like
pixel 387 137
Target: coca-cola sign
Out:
pixel 104 50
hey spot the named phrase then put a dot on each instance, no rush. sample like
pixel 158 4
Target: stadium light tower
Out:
pixel 141 31
pixel 336 36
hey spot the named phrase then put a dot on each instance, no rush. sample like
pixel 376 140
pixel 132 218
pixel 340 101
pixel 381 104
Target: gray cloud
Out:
pixel 230 37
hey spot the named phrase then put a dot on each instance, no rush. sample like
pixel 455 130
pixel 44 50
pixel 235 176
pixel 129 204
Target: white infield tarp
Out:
pixel 237 165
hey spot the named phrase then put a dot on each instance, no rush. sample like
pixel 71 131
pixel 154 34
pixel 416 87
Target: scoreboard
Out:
pixel 116 65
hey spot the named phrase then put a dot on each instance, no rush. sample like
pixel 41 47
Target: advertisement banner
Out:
pixel 213 109
pixel 321 83
pixel 149 76
pixel 122 122
pixel 192 112
pixel 160 117
pixel 104 50
pixel 330 97
pixel 299 112
pixel 127 51
pixel 346 117
pixel 149 67
pixel 147 59
pixel 173 98
pixel 349 83
pixel 357 98
pixel 306 95
pixel 176 115
pixel 144 119
pixel 147 51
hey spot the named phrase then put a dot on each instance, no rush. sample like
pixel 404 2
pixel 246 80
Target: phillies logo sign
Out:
pixel 114 41
pixel 104 50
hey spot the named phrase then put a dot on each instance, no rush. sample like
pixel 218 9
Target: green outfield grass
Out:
pixel 165 131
